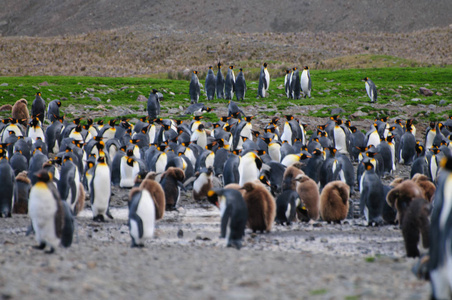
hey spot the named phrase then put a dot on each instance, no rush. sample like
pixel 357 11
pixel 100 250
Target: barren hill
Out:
pixel 60 17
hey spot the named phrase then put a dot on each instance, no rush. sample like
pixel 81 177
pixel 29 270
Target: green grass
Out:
pixel 318 292
pixel 331 88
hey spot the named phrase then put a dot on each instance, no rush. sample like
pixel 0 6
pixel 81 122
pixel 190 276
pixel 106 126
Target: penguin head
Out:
pixel 212 197
pixel 264 179
pixel 44 176
pixel 130 161
pixel 195 72
pixel 365 79
pixel 219 65
pixel 129 152
pixel 446 163
pixel 112 122
pixel 306 68
pixel 289 117
pixel 265 65
pixel 231 67
pixel 287 71
pixel 248 118
pixel 210 67
pixel 241 69
pixel 76 121
pixel 38 94
pixel 294 69
pixel 58 103
pixel 368 166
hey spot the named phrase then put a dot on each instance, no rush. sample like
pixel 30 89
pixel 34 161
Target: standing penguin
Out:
pixel 69 186
pixel 234 215
pixel 295 82
pixel 20 110
pixel 249 167
pixel 53 110
pixel 38 107
pixel 310 199
pixel 153 105
pixel 240 86
pixel 141 216
pixel 129 168
pixel 46 212
pixel 261 207
pixel 334 202
pixel 229 84
pixel 157 194
pixel 306 82
pixel 287 83
pixel 210 84
pixel 219 83
pixel 203 184
pixel 264 81
pixel 440 264
pixel 8 187
pixel 100 190
pixel 23 186
pixel 195 88
pixel 407 148
pixel 371 89
pixel 372 196
pixel 171 181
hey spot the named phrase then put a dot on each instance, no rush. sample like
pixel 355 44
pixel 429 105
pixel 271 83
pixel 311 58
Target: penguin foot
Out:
pixel 99 218
pixel 52 250
pixel 137 245
pixel 41 246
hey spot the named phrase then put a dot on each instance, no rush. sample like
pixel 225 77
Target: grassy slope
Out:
pixel 342 88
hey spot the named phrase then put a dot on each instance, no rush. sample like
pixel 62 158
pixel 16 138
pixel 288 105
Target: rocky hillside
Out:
pixel 61 17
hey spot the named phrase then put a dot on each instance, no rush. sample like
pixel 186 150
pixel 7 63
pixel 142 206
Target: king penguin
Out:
pixel 440 264
pixel 261 207
pixel 240 86
pixel 234 215
pixel 195 88
pixel 153 105
pixel 129 168
pixel 141 216
pixel 53 110
pixel 371 89
pixel 306 82
pixel 287 83
pixel 46 212
pixel 171 181
pixel 229 84
pixel 20 110
pixel 249 168
pixel 295 84
pixel 100 190
pixel 203 183
pixel 219 83
pixel 264 82
pixel 7 188
pixel 38 107
pixel 210 84
pixel 372 196
pixel 157 194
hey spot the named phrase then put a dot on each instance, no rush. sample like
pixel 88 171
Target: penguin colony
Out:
pixel 265 175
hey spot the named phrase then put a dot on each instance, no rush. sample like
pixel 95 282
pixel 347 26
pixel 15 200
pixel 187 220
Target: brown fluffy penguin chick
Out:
pixel 23 185
pixel 158 195
pixel 400 197
pixel 20 110
pixel 308 192
pixel 235 186
pixel 261 207
pixel 426 186
pixel 170 184
pixel 416 226
pixel 291 173
pixel 334 201
pixel 396 182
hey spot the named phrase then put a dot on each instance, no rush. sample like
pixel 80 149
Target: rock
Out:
pixel 416 99
pixel 358 114
pixel 4 84
pixel 442 102
pixel 171 93
pixel 439 94
pixel 326 90
pixel 90 90
pixel 45 83
pixel 6 107
pixel 337 111
pixel 96 99
pixel 425 91
pixel 142 98
pixel 431 106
